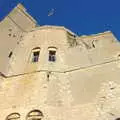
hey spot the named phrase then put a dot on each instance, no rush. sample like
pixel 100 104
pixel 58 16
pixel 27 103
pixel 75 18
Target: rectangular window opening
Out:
pixel 52 56
pixel 35 56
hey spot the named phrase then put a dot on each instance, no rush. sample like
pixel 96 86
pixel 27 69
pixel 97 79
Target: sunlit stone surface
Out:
pixel 50 73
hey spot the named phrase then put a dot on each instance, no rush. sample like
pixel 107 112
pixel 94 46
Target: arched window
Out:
pixel 13 116
pixel 52 54
pixel 35 115
pixel 35 54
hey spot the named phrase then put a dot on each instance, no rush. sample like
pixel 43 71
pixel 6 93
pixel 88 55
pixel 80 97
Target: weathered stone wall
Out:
pixel 80 94
pixel 35 91
pixel 43 38
pixel 83 82
pixel 12 29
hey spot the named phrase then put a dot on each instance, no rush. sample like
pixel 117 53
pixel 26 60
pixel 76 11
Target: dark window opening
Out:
pixel 9 34
pixel 52 56
pixel 10 54
pixel 35 56
pixel 93 44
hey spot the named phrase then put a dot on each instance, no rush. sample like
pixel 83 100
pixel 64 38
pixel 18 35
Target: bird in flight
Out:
pixel 51 12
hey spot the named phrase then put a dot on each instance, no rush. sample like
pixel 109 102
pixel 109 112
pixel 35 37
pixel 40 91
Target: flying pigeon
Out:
pixel 51 12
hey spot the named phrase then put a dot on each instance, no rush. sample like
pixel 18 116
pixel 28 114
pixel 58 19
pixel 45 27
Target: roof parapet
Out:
pixel 52 27
pixel 95 35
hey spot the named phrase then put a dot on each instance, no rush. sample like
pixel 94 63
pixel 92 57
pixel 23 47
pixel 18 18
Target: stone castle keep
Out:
pixel 50 73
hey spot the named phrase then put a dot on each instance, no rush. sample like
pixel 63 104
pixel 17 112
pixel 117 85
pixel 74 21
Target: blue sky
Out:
pixel 81 16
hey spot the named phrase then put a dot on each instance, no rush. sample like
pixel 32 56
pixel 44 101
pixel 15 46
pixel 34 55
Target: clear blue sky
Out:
pixel 80 16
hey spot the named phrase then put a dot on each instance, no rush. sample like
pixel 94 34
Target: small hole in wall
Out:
pixel 111 114
pixel 10 54
pixel 47 75
pixel 10 29
pixel 103 97
pixel 45 86
pixel 9 34
pixel 14 35
pixel 13 106
pixel 21 36
pixel 17 42
pixel 112 88
pixel 118 55
pixel 93 45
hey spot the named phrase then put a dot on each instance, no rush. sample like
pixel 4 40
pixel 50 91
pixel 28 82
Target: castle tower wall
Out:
pixel 50 73
pixel 12 29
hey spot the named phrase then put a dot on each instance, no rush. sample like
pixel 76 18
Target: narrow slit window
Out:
pixel 10 54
